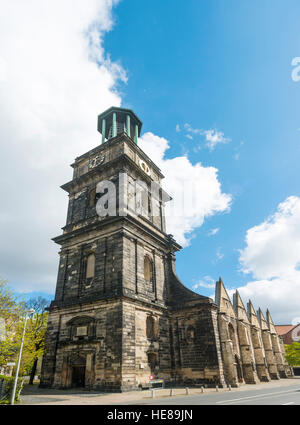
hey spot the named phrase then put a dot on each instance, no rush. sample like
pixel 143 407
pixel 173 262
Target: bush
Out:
pixel 293 354
pixel 6 388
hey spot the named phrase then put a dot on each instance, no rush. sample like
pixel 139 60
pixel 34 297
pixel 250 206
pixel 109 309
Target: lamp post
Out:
pixel 13 394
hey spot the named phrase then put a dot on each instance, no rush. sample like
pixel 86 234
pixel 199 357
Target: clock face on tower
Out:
pixel 96 161
pixel 144 167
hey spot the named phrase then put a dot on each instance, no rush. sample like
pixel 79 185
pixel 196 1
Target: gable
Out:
pixel 223 300
pixel 253 319
pixel 239 307
pixel 295 333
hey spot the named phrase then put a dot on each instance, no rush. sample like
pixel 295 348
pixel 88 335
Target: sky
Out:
pixel 217 86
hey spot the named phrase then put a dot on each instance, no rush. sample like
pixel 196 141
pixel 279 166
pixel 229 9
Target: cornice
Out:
pixel 158 235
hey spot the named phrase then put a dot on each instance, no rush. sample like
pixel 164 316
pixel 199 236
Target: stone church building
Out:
pixel 120 313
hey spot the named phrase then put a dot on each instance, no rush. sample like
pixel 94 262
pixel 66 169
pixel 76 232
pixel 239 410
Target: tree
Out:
pixel 35 334
pixel 10 307
pixel 10 314
pixel 293 354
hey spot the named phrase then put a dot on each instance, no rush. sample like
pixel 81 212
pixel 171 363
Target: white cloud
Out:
pixel 206 282
pixel 3 70
pixel 190 129
pixel 56 79
pixel 237 149
pixel 213 232
pixel 215 137
pixel 219 254
pixel 195 189
pixel 178 128
pixel 272 256
pixel 273 247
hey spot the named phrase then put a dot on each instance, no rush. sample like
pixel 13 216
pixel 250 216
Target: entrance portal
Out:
pixel 77 366
pixel 78 376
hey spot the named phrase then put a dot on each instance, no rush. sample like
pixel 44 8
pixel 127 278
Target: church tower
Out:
pixel 120 313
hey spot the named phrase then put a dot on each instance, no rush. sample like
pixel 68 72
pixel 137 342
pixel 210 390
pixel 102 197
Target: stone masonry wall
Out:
pixel 196 347
pixel 101 350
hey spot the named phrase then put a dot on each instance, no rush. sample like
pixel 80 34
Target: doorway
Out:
pixel 78 376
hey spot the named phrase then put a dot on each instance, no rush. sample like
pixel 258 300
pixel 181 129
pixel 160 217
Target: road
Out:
pixel 273 396
pixel 282 392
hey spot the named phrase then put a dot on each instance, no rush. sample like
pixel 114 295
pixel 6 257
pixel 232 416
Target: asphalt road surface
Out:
pixel 283 392
pixel 287 396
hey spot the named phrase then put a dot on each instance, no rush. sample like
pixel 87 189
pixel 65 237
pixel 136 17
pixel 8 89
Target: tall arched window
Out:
pixel 149 203
pixel 148 269
pixel 90 266
pixel 151 327
pixel 190 334
pixel 92 197
pixel 232 335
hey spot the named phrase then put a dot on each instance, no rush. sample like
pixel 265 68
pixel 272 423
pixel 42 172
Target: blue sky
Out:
pixel 224 65
pixel 214 65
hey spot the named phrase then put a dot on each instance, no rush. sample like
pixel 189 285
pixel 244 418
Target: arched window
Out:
pixel 149 203
pixel 90 266
pixel 92 197
pixel 151 327
pixel 145 202
pixel 232 335
pixel 148 269
pixel 190 334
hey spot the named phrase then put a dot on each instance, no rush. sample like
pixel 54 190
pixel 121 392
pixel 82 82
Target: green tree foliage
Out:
pixel 13 312
pixel 10 313
pixel 293 354
pixel 7 383
pixel 35 334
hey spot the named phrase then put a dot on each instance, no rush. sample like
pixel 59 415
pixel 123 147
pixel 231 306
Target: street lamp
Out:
pixel 13 394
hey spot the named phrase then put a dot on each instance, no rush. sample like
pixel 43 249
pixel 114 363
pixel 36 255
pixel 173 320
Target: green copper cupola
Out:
pixel 116 120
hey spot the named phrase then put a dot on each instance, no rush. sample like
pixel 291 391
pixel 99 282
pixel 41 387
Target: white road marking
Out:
pixel 286 404
pixel 256 396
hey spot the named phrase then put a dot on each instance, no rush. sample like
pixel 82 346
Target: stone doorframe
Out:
pixel 78 358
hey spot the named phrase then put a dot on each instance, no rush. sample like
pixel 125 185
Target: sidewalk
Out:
pixel 34 395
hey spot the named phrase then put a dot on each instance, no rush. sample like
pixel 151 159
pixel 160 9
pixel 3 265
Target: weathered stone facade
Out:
pixel 120 313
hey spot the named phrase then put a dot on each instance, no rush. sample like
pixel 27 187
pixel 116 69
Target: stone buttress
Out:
pixel 245 340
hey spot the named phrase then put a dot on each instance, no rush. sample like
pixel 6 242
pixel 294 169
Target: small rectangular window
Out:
pixel 90 266
pixel 92 197
pixel 81 331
